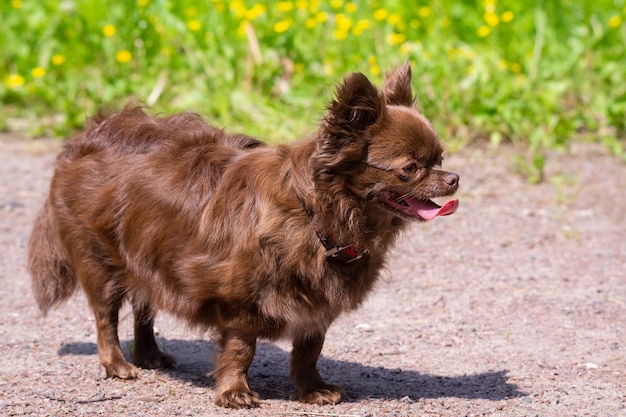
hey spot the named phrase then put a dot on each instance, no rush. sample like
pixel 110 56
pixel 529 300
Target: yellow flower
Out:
pixel 38 72
pixel 484 31
pixel 191 12
pixel 615 21
pixel 490 6
pixel 351 7
pixel 381 14
pixel 57 59
pixel 238 8
pixel 340 34
pixel 507 16
pixel 343 23
pixel 336 4
pixel 515 67
pixel 14 81
pixel 361 26
pixel 284 6
pixel 396 38
pixel 194 25
pixel 310 23
pixel 302 4
pixel 375 70
pixel 424 11
pixel 406 47
pixel 372 59
pixel 142 3
pixel 108 30
pixel 256 11
pixel 394 19
pixel 491 19
pixel 328 68
pixel 282 26
pixel 16 4
pixel 123 56
pixel 321 17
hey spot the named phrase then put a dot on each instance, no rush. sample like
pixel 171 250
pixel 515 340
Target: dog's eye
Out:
pixel 407 172
pixel 410 169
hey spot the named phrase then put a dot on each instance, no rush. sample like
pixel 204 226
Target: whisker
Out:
pixel 401 197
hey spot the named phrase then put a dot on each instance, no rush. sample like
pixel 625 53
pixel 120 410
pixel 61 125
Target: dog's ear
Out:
pixel 357 107
pixel 341 150
pixel 397 87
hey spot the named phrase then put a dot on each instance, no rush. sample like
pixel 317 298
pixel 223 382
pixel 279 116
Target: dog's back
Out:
pixel 132 130
pixel 90 173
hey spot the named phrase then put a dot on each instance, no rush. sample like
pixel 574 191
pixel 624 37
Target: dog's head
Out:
pixel 377 152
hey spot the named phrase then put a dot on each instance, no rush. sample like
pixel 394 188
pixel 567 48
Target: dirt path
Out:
pixel 514 306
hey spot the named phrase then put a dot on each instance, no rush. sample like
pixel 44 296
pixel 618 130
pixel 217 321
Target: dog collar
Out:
pixel 343 253
pixel 347 254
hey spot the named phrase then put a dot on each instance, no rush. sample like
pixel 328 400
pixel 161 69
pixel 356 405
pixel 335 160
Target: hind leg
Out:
pixel 109 351
pixel 147 354
pixel 105 291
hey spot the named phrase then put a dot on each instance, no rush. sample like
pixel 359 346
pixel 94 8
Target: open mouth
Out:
pixel 423 209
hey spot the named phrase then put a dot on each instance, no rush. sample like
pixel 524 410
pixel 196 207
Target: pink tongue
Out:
pixel 428 210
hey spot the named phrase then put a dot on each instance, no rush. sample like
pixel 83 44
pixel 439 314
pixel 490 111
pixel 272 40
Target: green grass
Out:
pixel 541 73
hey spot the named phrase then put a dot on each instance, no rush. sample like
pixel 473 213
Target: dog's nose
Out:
pixel 451 179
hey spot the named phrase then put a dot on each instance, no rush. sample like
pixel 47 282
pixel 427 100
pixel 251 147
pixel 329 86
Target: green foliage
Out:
pixel 541 73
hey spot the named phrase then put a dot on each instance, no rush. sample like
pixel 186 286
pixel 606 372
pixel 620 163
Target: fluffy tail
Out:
pixel 53 279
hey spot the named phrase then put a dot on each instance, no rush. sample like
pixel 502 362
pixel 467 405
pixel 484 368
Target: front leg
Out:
pixel 310 386
pixel 231 372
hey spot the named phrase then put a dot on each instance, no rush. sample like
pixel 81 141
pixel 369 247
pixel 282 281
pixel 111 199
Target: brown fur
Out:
pixel 174 214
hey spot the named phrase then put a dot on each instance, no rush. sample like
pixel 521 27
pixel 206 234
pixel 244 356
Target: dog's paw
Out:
pixel 326 395
pixel 122 370
pixel 238 399
pixel 154 360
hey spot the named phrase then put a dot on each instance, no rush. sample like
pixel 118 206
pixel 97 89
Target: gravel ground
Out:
pixel 514 306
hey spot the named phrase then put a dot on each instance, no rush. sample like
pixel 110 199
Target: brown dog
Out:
pixel 227 233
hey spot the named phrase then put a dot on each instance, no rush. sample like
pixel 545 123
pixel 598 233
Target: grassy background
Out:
pixel 541 73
